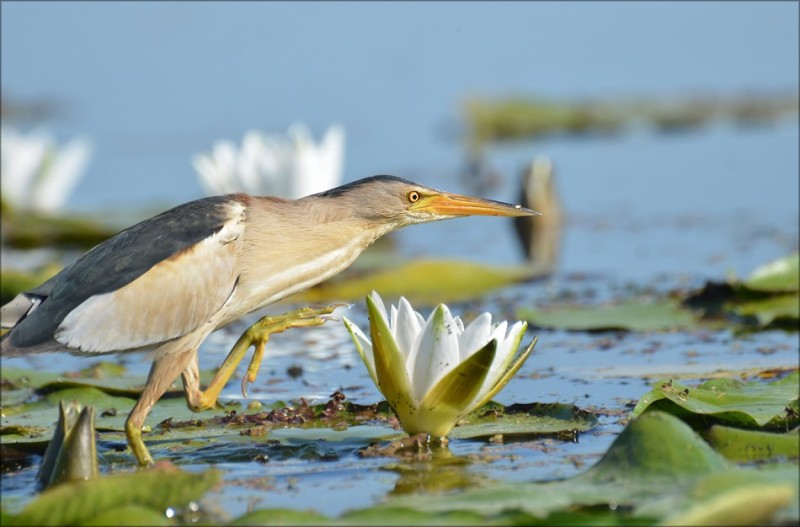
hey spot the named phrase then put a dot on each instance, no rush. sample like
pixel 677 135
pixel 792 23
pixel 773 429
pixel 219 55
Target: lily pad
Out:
pixel 27 230
pixel 751 445
pixel 778 311
pixel 728 401
pixel 630 315
pixel 148 491
pixel 781 275
pixel 655 467
pixel 34 421
pixel 426 282
pixel 524 420
pixel 515 118
pixel 768 299
pixel 748 505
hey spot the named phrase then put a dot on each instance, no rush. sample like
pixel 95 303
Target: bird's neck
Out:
pixel 290 248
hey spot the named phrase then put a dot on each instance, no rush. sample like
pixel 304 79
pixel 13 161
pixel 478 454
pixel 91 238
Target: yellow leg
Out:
pixel 163 371
pixel 256 335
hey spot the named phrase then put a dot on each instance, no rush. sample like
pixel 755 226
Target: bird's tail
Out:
pixel 13 312
pixel 10 315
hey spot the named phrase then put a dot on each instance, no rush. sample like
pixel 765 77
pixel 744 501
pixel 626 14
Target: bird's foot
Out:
pixel 134 435
pixel 258 334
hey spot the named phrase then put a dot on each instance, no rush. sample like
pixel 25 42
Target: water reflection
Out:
pixel 540 239
pixel 432 468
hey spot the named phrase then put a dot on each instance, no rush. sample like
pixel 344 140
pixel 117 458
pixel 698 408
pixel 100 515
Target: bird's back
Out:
pixel 35 315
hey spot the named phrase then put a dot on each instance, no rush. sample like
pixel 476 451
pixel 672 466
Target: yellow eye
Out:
pixel 413 196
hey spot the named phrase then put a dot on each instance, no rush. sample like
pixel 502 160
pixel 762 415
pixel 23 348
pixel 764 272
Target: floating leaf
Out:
pixel 781 275
pixel 736 498
pixel 750 405
pixel 630 315
pixel 750 445
pixel 76 502
pixel 129 515
pixel 655 467
pixel 524 420
pixel 779 311
pixel 515 118
pixel 281 517
pixel 27 230
pixel 769 299
pixel 427 282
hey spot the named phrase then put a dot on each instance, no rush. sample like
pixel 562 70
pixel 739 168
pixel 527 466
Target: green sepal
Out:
pixel 510 372
pixel 390 367
pixel 370 368
pixel 453 394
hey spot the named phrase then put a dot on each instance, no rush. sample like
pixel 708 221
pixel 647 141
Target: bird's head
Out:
pixel 396 202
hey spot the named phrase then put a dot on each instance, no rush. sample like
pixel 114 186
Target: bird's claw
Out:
pixel 260 332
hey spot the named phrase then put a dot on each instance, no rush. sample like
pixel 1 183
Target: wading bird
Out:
pixel 166 283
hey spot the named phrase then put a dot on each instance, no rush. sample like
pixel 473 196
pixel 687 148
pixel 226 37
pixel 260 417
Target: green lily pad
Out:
pixel 129 515
pixel 27 230
pixel 781 275
pixel 524 420
pixel 655 467
pixel 525 117
pixel 751 445
pixel 768 299
pixel 740 497
pixel 35 421
pixel 630 315
pixel 78 502
pixel 729 401
pixel 779 311
pixel 281 517
pixel 426 282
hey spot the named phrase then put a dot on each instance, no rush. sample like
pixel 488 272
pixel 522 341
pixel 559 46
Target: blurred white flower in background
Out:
pixel 37 174
pixel 288 166
pixel 433 372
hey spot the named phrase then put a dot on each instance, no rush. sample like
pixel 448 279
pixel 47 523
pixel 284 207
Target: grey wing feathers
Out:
pixel 119 261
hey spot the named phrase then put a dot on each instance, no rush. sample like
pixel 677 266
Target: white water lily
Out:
pixel 433 372
pixel 38 174
pixel 290 166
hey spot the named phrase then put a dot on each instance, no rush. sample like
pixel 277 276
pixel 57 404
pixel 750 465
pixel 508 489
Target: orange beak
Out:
pixel 447 204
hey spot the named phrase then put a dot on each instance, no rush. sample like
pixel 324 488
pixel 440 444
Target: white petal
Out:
pixel 225 154
pixel 63 174
pixel 380 305
pixel 249 174
pixel 437 352
pixel 206 174
pixel 406 327
pixel 392 318
pixel 331 150
pixel 22 160
pixel 507 347
pixel 475 336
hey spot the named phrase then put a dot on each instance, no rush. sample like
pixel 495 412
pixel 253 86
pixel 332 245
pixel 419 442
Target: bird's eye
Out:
pixel 413 196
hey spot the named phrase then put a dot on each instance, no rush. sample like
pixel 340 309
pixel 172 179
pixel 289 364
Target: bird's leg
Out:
pixel 163 372
pixel 256 335
pixel 191 385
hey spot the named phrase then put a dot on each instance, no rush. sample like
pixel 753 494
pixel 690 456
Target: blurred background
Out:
pixel 663 137
pixel 147 86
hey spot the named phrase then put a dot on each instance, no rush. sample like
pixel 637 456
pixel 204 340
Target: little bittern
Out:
pixel 166 283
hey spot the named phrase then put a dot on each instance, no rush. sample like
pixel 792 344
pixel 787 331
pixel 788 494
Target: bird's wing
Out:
pixel 156 281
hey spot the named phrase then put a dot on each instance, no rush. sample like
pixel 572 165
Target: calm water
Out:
pixel 152 84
